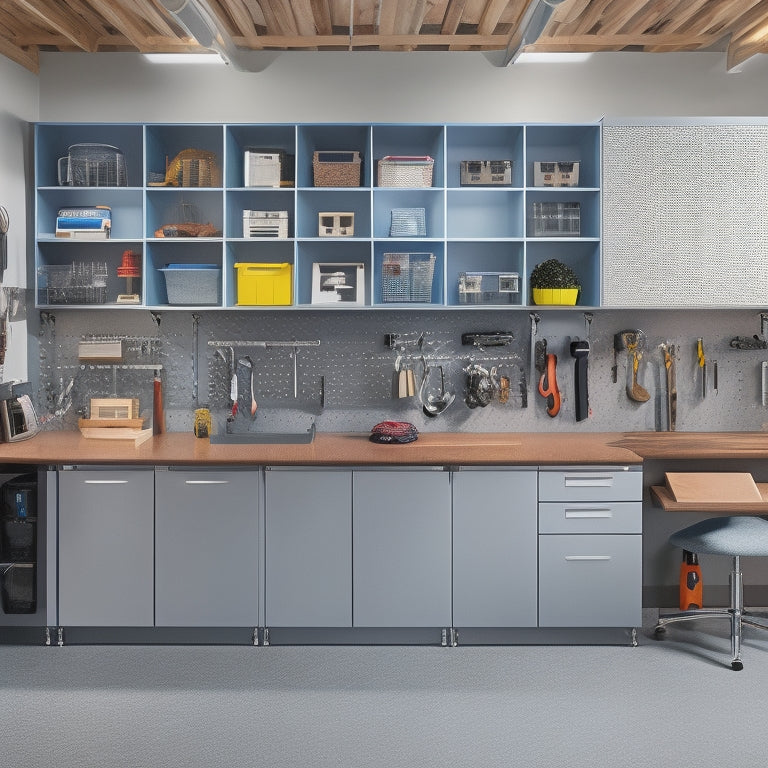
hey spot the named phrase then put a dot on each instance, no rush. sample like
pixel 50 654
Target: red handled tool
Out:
pixel 548 384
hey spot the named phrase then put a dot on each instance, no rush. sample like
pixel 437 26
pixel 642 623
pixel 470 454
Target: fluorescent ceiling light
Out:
pixel 184 58
pixel 552 57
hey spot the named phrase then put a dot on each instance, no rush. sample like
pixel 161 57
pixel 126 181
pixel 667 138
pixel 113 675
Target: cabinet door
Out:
pixel 590 580
pixel 206 549
pixel 308 548
pixel 494 548
pixel 402 548
pixel 106 541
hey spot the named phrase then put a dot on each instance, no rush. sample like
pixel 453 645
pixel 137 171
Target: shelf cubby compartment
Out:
pixel 161 253
pixel 165 142
pixel 410 140
pixel 336 252
pixel 395 286
pixel 312 202
pixel 93 278
pixel 239 138
pixel 496 257
pixel 327 138
pixel 53 142
pixel 385 200
pixel 485 213
pixel 582 257
pixel 257 200
pixel 172 206
pixel 589 208
pixel 126 204
pixel 564 143
pixel 484 142
pixel 254 251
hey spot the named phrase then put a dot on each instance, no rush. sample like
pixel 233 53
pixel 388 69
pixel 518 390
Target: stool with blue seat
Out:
pixel 736 537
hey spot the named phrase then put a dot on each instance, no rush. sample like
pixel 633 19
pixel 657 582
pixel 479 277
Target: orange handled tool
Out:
pixel 548 385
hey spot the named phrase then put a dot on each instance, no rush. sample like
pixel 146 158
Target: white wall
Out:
pixel 19 102
pixel 397 87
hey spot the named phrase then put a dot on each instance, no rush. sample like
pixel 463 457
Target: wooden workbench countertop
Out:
pixel 432 448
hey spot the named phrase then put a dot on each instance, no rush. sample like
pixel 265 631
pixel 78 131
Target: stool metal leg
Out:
pixel 737 606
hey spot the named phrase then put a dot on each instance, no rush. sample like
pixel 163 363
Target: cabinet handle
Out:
pixel 587 513
pixel 106 482
pixel 206 482
pixel 588 481
pixel 587 557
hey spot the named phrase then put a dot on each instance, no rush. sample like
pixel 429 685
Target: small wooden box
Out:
pixel 336 224
pixel 114 408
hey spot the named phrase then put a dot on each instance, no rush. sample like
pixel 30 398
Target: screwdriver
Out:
pixel 702 365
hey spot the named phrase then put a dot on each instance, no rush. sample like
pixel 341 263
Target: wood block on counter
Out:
pixel 713 487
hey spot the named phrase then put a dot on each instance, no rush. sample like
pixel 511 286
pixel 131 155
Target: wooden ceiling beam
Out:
pixel 618 42
pixel 491 14
pixel 82 35
pixel 452 18
pixel 123 20
pixel 366 40
pixel 321 12
pixel 28 58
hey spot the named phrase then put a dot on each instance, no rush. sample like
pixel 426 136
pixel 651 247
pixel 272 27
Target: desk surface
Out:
pixel 666 501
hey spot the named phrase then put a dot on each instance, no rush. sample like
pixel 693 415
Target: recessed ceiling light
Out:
pixel 552 57
pixel 184 58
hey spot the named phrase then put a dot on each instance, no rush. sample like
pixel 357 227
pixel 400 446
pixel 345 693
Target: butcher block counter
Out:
pixel 432 448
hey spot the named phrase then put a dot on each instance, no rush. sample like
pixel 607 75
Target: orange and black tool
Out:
pixel 547 364
pixel 691 588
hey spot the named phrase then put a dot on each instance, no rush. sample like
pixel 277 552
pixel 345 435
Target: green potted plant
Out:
pixel 553 282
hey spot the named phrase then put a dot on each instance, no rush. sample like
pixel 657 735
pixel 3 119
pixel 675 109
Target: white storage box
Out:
pixel 261 169
pixel 556 174
pixel 265 224
pixel 486 173
pixel 338 283
pixel 556 219
pixel 335 224
pixel 488 287
pixel 406 171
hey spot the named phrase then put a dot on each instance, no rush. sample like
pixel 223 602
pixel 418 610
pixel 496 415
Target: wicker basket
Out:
pixel 407 277
pixel 406 171
pixel 336 169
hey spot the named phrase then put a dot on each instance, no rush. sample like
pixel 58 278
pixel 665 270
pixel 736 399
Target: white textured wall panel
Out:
pixel 685 215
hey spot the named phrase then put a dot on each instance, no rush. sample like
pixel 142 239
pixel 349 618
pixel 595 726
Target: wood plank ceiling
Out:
pixel 28 27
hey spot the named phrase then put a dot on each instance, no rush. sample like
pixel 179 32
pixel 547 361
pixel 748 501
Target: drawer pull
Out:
pixel 588 481
pixel 106 482
pixel 587 513
pixel 206 482
pixel 587 557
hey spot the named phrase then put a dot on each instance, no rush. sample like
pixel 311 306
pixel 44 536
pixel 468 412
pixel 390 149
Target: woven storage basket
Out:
pixel 406 171
pixel 336 169
pixel 407 277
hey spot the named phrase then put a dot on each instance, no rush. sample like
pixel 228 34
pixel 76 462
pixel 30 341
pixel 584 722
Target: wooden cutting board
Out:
pixel 713 487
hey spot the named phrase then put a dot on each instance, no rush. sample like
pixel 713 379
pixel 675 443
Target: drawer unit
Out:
pixel 588 484
pixel 590 580
pixel 591 517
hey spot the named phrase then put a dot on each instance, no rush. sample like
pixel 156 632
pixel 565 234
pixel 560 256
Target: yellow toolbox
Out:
pixel 263 284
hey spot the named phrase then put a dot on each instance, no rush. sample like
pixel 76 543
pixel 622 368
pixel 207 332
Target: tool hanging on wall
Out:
pixel 580 351
pixel 546 364
pixel 702 365
pixel 669 363
pixel 535 319
pixel 632 341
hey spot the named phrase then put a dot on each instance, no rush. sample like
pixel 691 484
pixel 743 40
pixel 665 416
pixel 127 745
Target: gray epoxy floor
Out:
pixel 674 702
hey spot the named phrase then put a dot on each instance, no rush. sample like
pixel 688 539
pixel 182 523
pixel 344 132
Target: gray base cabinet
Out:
pixel 401 539
pixel 206 548
pixel 494 548
pixel 308 548
pixel 106 547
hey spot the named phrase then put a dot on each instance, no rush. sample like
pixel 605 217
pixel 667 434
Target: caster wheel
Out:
pixel 659 632
pixel 737 666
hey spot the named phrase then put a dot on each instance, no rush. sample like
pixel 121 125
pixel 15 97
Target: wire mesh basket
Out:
pixel 408 222
pixel 407 277
pixel 406 171
pixel 92 165
pixel 82 282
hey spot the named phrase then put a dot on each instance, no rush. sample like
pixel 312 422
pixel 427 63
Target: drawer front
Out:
pixel 590 581
pixel 590 485
pixel 591 517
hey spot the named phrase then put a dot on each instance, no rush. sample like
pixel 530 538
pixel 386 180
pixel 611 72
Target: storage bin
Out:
pixel 408 222
pixel 336 224
pixel 406 171
pixel 336 169
pixel 270 224
pixel 407 277
pixel 192 283
pixel 556 174
pixel 264 284
pixel 17 588
pixel 490 173
pixel 488 287
pixel 556 219
pixel 18 540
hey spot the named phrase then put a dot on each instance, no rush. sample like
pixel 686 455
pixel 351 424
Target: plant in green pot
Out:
pixel 553 282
